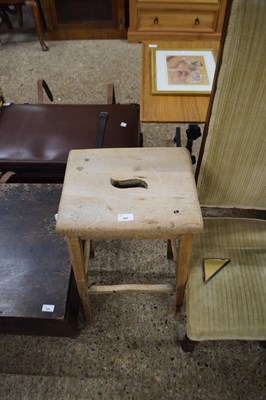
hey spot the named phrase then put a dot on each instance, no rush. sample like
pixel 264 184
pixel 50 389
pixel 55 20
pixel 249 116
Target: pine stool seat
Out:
pixel 129 193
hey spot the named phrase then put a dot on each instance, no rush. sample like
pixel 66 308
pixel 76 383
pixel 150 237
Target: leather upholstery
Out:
pixel 40 136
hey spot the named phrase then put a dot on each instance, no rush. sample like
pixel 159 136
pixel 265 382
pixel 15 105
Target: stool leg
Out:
pixel 37 20
pixel 75 248
pixel 92 252
pixel 182 265
pixel 170 255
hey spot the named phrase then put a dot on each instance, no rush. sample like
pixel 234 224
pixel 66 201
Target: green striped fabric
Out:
pixel 233 170
pixel 232 305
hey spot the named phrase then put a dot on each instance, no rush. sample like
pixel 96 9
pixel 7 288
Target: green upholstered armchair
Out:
pixel 232 190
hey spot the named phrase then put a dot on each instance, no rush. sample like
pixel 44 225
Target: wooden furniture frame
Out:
pixel 146 193
pixel 171 108
pixel 73 29
pixel 35 8
pixel 176 19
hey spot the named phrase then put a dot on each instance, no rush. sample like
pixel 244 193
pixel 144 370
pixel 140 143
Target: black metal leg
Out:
pixel 193 133
pixel 188 345
pixel 177 138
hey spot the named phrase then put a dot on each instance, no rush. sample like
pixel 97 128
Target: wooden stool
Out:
pixel 132 193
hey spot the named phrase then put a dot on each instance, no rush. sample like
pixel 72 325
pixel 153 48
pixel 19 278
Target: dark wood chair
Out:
pixel 9 7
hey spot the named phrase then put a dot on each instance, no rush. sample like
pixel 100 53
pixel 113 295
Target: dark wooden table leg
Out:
pixel 5 18
pixel 37 20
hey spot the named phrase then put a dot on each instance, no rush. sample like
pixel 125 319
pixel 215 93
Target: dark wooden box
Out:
pixel 35 271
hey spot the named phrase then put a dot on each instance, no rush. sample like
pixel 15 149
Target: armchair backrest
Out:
pixel 232 171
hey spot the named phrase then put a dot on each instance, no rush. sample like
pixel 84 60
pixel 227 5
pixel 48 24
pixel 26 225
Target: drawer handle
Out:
pixel 197 21
pixel 156 21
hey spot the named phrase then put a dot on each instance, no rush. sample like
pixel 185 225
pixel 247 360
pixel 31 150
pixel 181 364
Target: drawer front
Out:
pixel 177 20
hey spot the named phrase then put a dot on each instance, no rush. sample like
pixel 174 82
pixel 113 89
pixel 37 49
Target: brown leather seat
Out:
pixel 36 138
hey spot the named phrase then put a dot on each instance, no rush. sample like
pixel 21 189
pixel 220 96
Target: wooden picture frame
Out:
pixel 182 71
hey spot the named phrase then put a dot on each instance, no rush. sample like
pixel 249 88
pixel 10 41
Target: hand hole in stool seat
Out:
pixel 128 183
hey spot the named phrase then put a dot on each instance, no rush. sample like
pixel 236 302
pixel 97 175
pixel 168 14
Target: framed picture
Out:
pixel 182 71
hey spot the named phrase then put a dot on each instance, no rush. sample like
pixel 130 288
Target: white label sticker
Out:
pixel 125 217
pixel 48 308
pixel 123 124
pixel 153 45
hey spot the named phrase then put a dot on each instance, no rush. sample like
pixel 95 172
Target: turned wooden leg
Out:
pixel 188 345
pixel 36 15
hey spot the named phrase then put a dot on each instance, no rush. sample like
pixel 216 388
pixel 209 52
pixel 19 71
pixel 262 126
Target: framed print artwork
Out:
pixel 182 71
